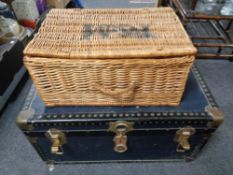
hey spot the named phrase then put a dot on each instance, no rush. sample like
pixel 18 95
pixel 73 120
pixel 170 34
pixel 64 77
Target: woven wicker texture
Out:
pixel 115 33
pixel 110 57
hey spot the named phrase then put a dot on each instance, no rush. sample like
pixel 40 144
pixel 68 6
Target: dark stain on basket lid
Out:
pixel 117 31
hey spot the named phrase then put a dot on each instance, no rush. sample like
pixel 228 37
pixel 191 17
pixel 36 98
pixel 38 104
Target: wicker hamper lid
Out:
pixel 111 33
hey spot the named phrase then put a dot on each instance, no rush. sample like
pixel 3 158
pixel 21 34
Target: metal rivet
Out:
pixel 212 104
pixel 211 99
pixel 152 114
pixel 171 114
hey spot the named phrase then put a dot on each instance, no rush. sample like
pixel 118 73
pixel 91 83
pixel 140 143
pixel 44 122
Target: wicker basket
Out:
pixel 110 57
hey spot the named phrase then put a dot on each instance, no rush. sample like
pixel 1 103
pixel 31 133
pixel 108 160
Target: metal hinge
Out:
pixel 120 128
pixel 58 139
pixel 182 138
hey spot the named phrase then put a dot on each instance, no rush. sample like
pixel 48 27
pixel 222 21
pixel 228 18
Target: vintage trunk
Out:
pixel 122 134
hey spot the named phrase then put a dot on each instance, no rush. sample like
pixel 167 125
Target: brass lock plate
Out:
pixel 182 138
pixel 58 139
pixel 122 127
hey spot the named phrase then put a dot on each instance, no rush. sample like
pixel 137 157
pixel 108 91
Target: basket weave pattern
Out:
pixel 110 57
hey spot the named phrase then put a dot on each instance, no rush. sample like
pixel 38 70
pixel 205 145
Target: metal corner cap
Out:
pixel 22 119
pixel 217 114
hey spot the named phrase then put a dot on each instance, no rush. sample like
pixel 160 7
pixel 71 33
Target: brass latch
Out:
pixel 182 137
pixel 58 139
pixel 120 128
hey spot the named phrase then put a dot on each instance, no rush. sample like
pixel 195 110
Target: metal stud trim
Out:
pixel 203 86
pixel 28 100
pixel 139 115
pixel 161 122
